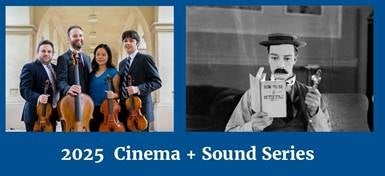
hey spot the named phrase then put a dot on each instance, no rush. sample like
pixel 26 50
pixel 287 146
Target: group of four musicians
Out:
pixel 92 77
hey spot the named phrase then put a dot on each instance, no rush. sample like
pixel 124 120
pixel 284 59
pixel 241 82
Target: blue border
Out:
pixel 336 153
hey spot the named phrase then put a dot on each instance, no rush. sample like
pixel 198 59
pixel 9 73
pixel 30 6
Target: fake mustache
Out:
pixel 280 70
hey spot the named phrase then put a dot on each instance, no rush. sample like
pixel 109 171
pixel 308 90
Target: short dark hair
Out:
pixel 73 27
pixel 94 64
pixel 44 42
pixel 131 34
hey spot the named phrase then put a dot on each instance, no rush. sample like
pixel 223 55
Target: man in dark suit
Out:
pixel 144 73
pixel 32 82
pixel 65 69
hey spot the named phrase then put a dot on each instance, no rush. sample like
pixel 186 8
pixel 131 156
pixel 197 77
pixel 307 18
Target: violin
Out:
pixel 76 111
pixel 110 108
pixel 43 111
pixel 136 120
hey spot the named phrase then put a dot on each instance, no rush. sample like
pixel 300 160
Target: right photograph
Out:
pixel 279 68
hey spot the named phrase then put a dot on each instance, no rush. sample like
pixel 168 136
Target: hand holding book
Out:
pixel 260 121
pixel 268 96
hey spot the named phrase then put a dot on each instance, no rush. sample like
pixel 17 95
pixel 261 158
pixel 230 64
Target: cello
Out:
pixel 76 111
pixel 110 108
pixel 136 120
pixel 43 111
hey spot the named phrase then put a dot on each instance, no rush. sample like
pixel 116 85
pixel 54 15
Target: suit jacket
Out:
pixel 32 82
pixel 66 75
pixel 146 77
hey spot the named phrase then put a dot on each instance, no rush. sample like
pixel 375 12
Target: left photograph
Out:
pixel 89 69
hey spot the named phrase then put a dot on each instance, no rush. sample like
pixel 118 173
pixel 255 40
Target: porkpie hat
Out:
pixel 280 38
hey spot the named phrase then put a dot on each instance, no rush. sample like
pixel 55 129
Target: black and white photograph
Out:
pixel 279 68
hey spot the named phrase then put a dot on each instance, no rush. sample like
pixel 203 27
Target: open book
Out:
pixel 268 96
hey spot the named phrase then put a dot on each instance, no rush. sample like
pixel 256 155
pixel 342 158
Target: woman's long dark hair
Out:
pixel 95 65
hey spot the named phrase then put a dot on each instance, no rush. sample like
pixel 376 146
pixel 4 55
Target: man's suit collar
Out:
pixel 37 61
pixel 83 55
pixel 69 52
pixel 133 55
pixel 133 59
pixel 41 67
pixel 39 64
pixel 71 49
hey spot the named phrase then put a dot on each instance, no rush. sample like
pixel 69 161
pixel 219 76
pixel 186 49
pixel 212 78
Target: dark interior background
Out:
pixel 225 57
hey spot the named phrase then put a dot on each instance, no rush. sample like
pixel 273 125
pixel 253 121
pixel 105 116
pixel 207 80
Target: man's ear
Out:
pixel 295 59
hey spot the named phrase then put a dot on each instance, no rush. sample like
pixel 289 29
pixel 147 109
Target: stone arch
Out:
pixel 134 19
pixel 50 15
pixel 140 21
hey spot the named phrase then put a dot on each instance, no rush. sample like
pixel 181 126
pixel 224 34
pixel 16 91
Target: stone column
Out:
pixel 20 37
pixel 163 32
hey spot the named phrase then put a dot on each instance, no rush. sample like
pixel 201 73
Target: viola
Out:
pixel 44 112
pixel 110 108
pixel 136 120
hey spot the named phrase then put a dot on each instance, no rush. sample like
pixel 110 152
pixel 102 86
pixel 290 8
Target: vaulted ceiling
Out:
pixel 111 22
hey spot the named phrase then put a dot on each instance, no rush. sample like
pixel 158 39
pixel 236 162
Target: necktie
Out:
pixel 52 71
pixel 289 109
pixel 80 60
pixel 125 77
pixel 55 97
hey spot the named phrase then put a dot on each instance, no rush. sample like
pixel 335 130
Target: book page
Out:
pixel 273 98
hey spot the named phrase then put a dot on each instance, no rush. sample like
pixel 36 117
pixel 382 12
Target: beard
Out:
pixel 45 60
pixel 77 44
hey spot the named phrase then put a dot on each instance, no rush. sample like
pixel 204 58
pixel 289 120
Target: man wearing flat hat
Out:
pixel 305 109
